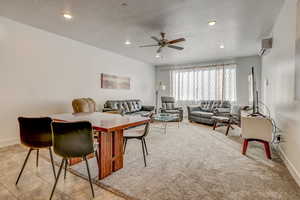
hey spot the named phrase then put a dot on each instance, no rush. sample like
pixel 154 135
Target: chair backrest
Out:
pixel 84 105
pixel 257 128
pixel 35 132
pixel 147 128
pixel 168 103
pixel 74 139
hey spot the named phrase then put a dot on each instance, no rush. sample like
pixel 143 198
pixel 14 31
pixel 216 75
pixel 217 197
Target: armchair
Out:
pixel 169 106
pixel 84 105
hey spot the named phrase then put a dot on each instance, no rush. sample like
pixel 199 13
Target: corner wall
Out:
pixel 40 74
pixel 278 85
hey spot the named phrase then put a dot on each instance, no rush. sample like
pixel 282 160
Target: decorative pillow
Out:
pixel 126 108
pixel 131 106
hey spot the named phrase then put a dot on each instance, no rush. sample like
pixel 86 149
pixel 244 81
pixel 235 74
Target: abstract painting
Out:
pixel 114 82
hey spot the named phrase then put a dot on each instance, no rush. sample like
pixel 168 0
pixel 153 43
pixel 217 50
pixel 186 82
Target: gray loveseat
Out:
pixel 203 112
pixel 128 107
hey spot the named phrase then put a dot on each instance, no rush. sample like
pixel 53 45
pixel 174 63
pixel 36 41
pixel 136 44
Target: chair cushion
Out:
pixel 202 114
pixel 168 106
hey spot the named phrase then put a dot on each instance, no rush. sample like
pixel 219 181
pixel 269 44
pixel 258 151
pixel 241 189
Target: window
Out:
pixel 204 83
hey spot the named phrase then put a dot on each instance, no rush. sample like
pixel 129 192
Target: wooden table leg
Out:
pixel 105 154
pixel 111 152
pixel 118 150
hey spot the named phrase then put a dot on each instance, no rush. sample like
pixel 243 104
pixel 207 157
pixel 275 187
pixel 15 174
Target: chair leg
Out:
pixel 228 127
pixel 97 157
pixel 267 149
pixel 144 153
pixel 90 180
pixel 245 146
pixel 24 164
pixel 215 125
pixel 52 162
pixel 144 140
pixel 125 143
pixel 66 164
pixel 56 180
pixel 37 157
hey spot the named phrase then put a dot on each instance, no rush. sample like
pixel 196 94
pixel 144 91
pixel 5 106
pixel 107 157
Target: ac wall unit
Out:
pixel 266 45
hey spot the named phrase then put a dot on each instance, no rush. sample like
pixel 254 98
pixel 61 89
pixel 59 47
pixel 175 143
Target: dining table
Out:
pixel 110 128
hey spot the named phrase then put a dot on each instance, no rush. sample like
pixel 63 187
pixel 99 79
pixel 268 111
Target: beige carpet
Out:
pixel 193 162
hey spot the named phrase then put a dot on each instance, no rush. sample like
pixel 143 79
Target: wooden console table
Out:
pixel 110 140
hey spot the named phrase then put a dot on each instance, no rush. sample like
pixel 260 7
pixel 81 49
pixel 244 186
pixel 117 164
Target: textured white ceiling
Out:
pixel 106 24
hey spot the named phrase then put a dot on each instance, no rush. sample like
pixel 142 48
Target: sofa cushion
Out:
pixel 202 114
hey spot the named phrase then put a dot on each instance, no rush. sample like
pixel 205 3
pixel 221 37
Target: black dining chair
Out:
pixel 70 140
pixel 139 135
pixel 35 133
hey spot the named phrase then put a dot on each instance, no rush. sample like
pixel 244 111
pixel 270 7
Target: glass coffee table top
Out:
pixel 165 117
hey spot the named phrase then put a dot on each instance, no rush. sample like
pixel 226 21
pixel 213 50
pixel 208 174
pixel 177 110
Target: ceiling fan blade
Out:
pixel 150 45
pixel 159 50
pixel 155 38
pixel 175 47
pixel 176 41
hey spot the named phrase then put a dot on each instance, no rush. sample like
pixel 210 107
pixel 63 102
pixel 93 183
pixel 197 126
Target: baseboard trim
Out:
pixel 8 142
pixel 292 169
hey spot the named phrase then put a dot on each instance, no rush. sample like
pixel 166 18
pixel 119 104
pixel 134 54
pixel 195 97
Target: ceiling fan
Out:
pixel 163 42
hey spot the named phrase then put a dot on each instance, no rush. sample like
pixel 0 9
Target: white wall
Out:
pixel 244 65
pixel 278 68
pixel 40 73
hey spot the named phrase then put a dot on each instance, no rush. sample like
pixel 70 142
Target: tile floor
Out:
pixel 36 183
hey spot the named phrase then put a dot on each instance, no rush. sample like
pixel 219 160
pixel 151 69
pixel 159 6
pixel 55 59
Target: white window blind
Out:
pixel 204 83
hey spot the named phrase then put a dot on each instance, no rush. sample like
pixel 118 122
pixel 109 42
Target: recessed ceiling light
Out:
pixel 124 4
pixel 222 46
pixel 127 42
pixel 157 55
pixel 67 16
pixel 212 23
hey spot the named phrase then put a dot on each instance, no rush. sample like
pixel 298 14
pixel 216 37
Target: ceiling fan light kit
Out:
pixel 163 42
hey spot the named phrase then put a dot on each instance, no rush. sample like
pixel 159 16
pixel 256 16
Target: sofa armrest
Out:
pixel 148 108
pixel 193 108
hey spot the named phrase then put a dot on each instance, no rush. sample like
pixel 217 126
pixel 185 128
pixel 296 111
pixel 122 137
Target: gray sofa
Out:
pixel 203 113
pixel 128 107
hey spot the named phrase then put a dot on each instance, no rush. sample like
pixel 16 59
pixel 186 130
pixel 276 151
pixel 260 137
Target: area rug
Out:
pixel 194 162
